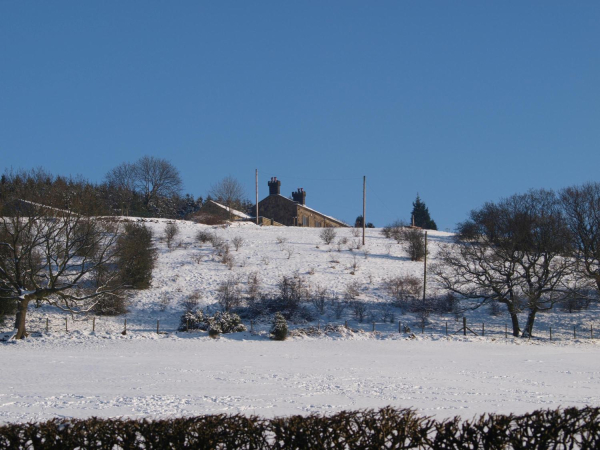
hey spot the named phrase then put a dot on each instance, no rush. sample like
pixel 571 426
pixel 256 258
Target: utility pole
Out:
pixel 364 206
pixel 425 270
pixel 256 196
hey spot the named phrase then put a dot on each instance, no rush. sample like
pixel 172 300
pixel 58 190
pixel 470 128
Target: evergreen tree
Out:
pixel 420 215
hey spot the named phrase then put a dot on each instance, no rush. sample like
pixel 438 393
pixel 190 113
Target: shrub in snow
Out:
pixel 229 293
pixel 220 323
pixel 404 290
pixel 279 329
pixel 135 256
pixel 203 236
pixel 171 230
pixel 111 305
pixel 327 235
pixel 237 242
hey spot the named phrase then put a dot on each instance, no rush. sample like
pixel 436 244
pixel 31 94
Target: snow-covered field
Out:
pixel 79 373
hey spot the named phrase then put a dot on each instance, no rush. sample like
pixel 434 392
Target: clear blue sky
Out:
pixel 463 102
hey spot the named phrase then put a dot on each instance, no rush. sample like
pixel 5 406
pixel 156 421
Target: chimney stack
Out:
pixel 274 186
pixel 299 196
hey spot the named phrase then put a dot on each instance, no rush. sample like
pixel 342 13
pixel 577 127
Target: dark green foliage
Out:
pixel 358 223
pixel 370 429
pixel 420 215
pixel 279 329
pixel 7 308
pixel 221 322
pixel 136 256
pixel 415 240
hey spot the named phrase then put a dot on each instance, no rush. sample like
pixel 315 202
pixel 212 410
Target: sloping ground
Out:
pixel 79 373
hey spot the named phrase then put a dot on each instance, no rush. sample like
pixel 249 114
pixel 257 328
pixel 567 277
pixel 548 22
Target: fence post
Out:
pixel 251 326
pixel 550 333
pixel 157 326
pixel 483 329
pixel 591 331
pixel 464 326
pixel 346 324
pixel 505 331
pixel 373 327
pixel 66 326
pixel 125 329
pixel 446 328
pixel 574 333
pixel 319 325
pixel 93 324
pixel 187 325
pixel 46 324
pixel 399 327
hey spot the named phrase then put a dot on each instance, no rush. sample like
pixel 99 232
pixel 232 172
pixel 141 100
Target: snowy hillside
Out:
pixel 141 373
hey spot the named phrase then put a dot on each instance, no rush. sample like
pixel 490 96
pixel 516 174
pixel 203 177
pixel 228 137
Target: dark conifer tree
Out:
pixel 420 215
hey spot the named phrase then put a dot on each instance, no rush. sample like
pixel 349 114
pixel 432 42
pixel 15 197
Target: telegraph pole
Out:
pixel 425 269
pixel 256 196
pixel 364 206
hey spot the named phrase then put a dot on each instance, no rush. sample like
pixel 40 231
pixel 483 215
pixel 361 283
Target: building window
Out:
pixel 304 221
pixel 318 224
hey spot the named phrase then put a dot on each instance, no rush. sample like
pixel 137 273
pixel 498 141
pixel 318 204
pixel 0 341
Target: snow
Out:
pixel 235 212
pixel 81 373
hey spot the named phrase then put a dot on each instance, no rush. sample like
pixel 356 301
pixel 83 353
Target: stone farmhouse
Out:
pixel 280 210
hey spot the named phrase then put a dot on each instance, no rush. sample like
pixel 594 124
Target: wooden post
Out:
pixel 187 325
pixel 364 206
pixel 464 326
pixel 125 329
pixel 93 324
pixel 505 331
pixel 483 329
pixel 46 324
pixel 251 326
pixel 591 332
pixel 157 326
pixel 66 326
pixel 256 196
pixel 425 271
pixel 550 333
pixel 446 328
pixel 574 333
pixel 373 327
pixel 346 324
pixel 422 327
pixel 399 327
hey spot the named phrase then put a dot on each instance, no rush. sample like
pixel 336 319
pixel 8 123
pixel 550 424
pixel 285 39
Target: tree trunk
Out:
pixel 514 319
pixel 528 331
pixel 20 319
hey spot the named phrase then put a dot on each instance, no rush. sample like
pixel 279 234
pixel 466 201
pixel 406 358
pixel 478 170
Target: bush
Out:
pixel 7 308
pixel 229 294
pixel 111 305
pixel 171 230
pixel 135 256
pixel 220 323
pixel 415 240
pixel 279 329
pixel 327 235
pixel 404 290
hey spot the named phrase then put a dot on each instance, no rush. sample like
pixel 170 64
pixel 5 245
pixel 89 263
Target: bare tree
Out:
pixel 54 255
pixel 581 206
pixel 230 192
pixel 514 252
pixel 154 179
